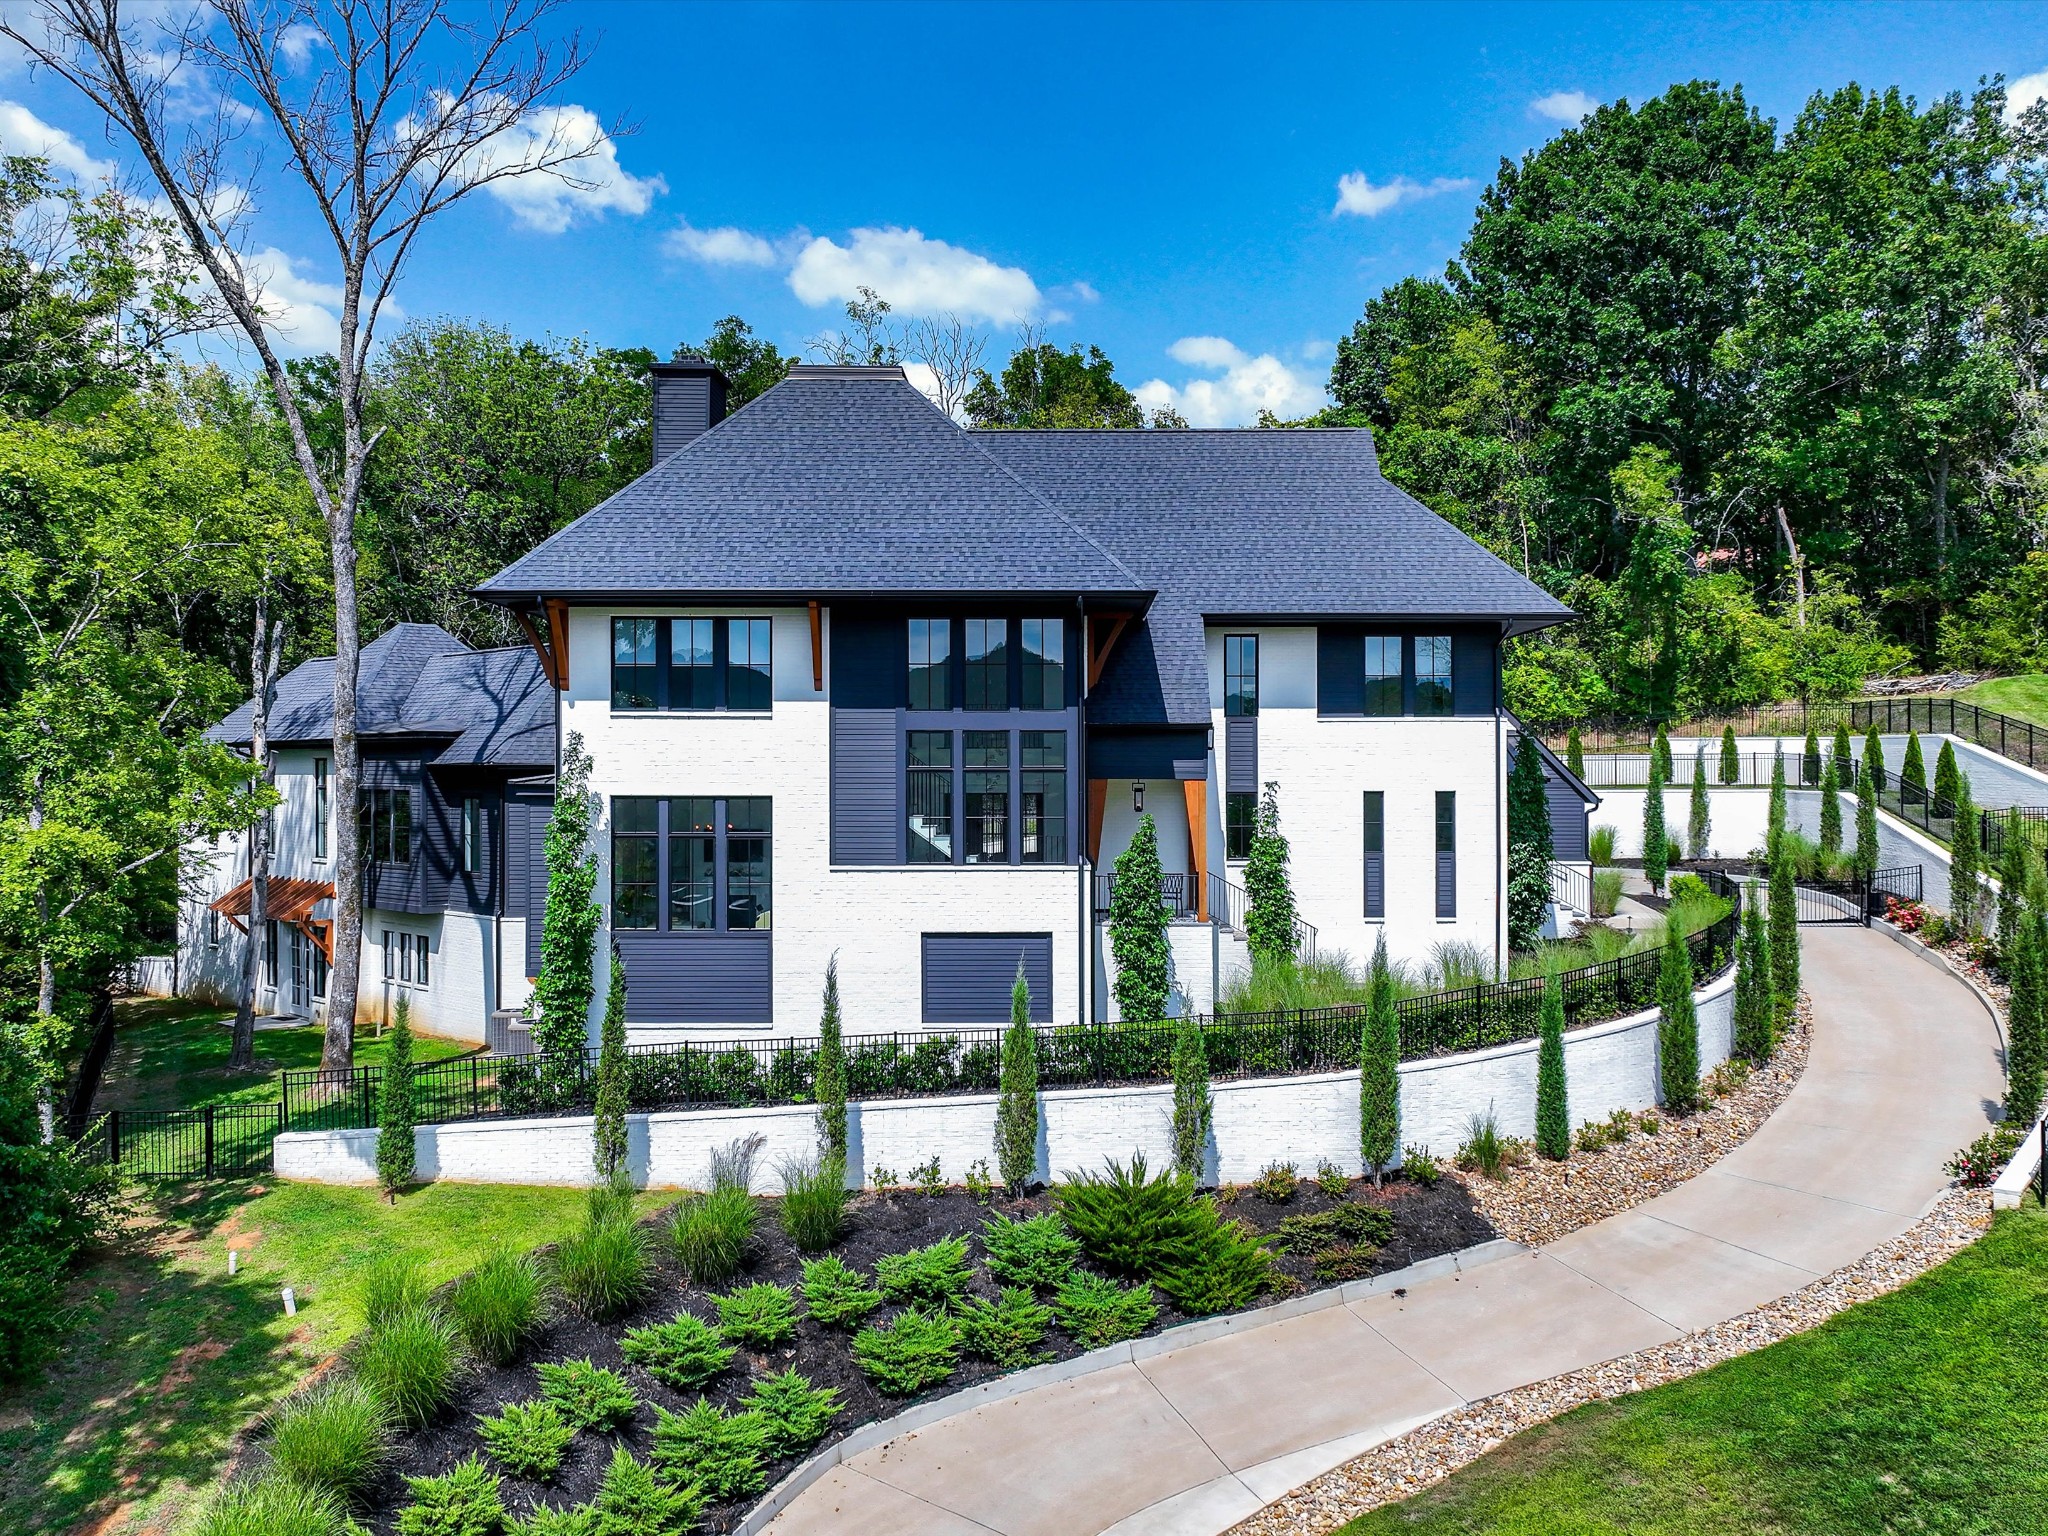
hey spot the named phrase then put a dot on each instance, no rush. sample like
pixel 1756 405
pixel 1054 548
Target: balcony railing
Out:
pixel 1227 905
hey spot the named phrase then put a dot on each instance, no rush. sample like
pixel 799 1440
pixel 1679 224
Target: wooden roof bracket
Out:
pixel 540 649
pixel 817 648
pixel 1099 647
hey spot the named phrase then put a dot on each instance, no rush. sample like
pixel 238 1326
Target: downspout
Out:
pixel 1500 814
pixel 1084 1010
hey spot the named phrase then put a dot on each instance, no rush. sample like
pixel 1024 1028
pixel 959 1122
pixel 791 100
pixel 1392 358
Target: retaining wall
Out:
pixel 1303 1120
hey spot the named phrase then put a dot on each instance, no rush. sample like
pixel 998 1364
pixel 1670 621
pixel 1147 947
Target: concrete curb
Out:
pixel 881 1431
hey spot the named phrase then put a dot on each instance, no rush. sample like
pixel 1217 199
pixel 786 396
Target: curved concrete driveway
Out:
pixel 1905 1062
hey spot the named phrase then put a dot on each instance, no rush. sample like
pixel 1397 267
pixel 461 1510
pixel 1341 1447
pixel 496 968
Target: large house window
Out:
pixel 692 664
pixel 1446 853
pixel 1045 663
pixel 1043 823
pixel 1375 853
pixel 385 825
pixel 988 664
pixel 405 960
pixel 929 798
pixel 1240 674
pixel 1432 674
pixel 931 671
pixel 321 802
pixel 1240 823
pixel 671 856
pixel 988 796
pixel 1383 674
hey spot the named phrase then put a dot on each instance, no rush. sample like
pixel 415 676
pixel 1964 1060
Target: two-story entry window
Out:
pixel 1010 788
pixel 692 664
pixel 997 663
pixel 691 863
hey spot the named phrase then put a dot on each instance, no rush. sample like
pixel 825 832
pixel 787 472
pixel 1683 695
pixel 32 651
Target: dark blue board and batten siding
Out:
pixel 1340 668
pixel 698 978
pixel 968 976
pixel 526 873
pixel 1568 819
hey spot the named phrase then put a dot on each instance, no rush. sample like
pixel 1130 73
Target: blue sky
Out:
pixel 1210 193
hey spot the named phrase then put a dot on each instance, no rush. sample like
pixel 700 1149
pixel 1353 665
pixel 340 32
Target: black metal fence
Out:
pixel 220 1141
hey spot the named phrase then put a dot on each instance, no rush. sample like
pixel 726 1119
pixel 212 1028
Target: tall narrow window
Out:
pixel 212 929
pixel 401 825
pixel 420 973
pixel 931 672
pixel 988 664
pixel 692 665
pixel 472 835
pixel 636 861
pixel 987 767
pixel 1383 674
pixel 1432 674
pixel 320 807
pixel 1446 853
pixel 1240 821
pixel 748 675
pixel 930 798
pixel 748 833
pixel 693 862
pixel 1045 663
pixel 1240 674
pixel 1042 757
pixel 390 956
pixel 633 664
pixel 1375 854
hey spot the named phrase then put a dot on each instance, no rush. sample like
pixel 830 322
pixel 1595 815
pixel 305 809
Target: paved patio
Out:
pixel 1905 1063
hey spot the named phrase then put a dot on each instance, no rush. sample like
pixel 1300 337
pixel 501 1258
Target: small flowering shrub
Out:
pixel 1984 1159
pixel 1906 916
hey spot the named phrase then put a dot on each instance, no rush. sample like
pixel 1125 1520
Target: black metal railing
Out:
pixel 1571 887
pixel 1176 892
pixel 218 1141
pixel 1227 905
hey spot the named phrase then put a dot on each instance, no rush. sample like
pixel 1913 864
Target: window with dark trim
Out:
pixel 1042 823
pixel 672 856
pixel 749 681
pixel 929 798
pixel 692 863
pixel 1240 674
pixel 1009 788
pixel 472 835
pixel 384 824
pixel 1382 674
pixel 320 807
pixel 1045 667
pixel 988 663
pixel 636 861
pixel 1240 823
pixel 748 835
pixel 270 954
pixel 692 664
pixel 633 665
pixel 1375 853
pixel 1446 853
pixel 931 671
pixel 987 789
pixel 1432 674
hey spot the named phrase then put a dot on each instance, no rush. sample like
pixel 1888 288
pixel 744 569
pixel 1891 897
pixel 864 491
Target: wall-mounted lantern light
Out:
pixel 1138 796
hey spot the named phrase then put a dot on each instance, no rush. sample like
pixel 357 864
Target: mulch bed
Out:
pixel 1427 1221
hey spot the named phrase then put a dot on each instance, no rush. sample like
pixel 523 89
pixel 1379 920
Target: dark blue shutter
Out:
pixel 1375 854
pixel 1475 658
pixel 866 826
pixel 526 874
pixel 1446 853
pixel 967 976
pixel 698 978
pixel 1241 754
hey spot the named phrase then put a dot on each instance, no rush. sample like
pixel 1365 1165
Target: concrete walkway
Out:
pixel 1904 1064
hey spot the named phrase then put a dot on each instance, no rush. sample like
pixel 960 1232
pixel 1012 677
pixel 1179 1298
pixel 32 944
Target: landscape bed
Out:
pixel 1425 1221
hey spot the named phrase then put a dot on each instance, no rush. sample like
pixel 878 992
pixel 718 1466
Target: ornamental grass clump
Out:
pixel 836 1296
pixel 1485 1150
pixel 604 1269
pixel 392 1285
pixel 917 1350
pixel 464 1501
pixel 711 1232
pixel 1097 1311
pixel 1038 1252
pixel 936 1275
pixel 685 1353
pixel 335 1436
pixel 275 1506
pixel 410 1360
pixel 794 1413
pixel 589 1396
pixel 720 1453
pixel 757 1316
pixel 814 1197
pixel 634 1500
pixel 527 1439
pixel 499 1305
pixel 1007 1330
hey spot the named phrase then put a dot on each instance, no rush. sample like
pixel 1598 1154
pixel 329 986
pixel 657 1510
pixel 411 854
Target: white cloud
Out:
pixel 589 184
pixel 1564 106
pixel 916 275
pixel 303 311
pixel 1248 385
pixel 2024 92
pixel 722 247
pixel 1085 292
pixel 1356 195
pixel 23 133
pixel 296 42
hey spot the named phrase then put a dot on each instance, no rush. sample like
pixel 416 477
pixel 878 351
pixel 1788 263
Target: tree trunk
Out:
pixel 1798 567
pixel 337 1052
pixel 266 650
pixel 1941 510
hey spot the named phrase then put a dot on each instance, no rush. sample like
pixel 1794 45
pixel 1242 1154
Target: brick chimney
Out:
pixel 689 400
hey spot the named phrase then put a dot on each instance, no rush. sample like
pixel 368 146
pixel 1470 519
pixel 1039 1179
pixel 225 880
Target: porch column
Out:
pixel 1197 792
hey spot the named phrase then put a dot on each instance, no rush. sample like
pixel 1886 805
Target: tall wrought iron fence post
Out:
pixel 209 1141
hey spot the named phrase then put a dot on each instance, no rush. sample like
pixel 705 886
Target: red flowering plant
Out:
pixel 1906 916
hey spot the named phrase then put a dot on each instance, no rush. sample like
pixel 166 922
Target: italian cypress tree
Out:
pixel 831 1070
pixel 1699 816
pixel 1553 1106
pixel 1830 811
pixel 568 944
pixel 1945 772
pixel 2014 876
pixel 1678 1030
pixel 1575 754
pixel 1268 893
pixel 1660 753
pixel 1866 822
pixel 1192 1108
pixel 608 1122
pixel 1776 822
pixel 1137 928
pixel 1731 760
pixel 1529 846
pixel 1809 763
pixel 1656 842
pixel 397 1157
pixel 1017 1104
pixel 1379 1070
pixel 1784 936
pixel 2026 1051
pixel 1965 863
pixel 1873 754
pixel 1913 770
pixel 1845 757
pixel 1755 1009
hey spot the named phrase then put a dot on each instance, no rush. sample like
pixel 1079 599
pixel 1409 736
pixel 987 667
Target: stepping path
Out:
pixel 1905 1062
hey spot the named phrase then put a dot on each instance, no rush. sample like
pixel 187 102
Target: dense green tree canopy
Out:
pixel 1042 386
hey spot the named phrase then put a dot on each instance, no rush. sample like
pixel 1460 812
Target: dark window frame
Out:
pixel 323 800
pixel 1235 697
pixel 1446 849
pixel 1240 823
pixel 1442 699
pixel 472 835
pixel 665 833
pixel 919 788
pixel 726 680
pixel 1383 688
pixel 378 824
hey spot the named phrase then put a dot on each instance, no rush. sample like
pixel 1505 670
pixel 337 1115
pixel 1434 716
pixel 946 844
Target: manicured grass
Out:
pixel 2024 698
pixel 168 1356
pixel 173 1054
pixel 1926 1410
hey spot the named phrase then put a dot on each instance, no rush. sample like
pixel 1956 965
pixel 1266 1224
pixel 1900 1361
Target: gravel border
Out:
pixel 1412 1462
pixel 1542 1201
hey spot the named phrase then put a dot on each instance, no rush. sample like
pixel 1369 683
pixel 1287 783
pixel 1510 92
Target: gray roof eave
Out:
pixel 784 597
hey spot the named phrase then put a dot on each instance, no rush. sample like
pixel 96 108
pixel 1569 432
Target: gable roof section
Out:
pixel 836 482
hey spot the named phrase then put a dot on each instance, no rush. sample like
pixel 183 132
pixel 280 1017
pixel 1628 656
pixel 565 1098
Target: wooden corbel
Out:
pixel 1101 644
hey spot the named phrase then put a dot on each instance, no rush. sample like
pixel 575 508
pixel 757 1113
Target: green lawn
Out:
pixel 2024 698
pixel 173 1054
pixel 1924 1411
pixel 168 1356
